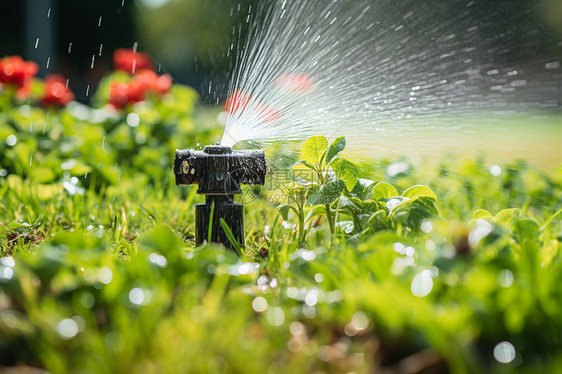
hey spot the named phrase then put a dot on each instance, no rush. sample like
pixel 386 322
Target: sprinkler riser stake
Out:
pixel 219 171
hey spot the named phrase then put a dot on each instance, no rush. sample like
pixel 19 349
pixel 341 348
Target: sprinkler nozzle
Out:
pixel 218 171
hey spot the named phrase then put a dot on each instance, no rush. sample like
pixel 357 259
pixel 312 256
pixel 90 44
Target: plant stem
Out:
pixel 330 218
pixel 301 224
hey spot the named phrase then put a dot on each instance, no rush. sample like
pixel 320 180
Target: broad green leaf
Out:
pixel 346 171
pixel 328 193
pixel 346 226
pixel 551 218
pixel 284 211
pixel 481 214
pixel 313 149
pixel 384 190
pixel 507 216
pixel 378 221
pixel 316 210
pixel 336 147
pixel 303 163
pixel 363 189
pixel 397 202
pixel 419 191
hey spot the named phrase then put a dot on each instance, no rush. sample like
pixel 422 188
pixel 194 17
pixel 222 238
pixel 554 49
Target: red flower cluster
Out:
pixel 16 72
pixel 56 92
pixel 239 101
pixel 295 82
pixel 144 82
pixel 131 61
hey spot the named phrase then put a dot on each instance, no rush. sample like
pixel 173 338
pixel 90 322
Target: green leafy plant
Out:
pixel 327 177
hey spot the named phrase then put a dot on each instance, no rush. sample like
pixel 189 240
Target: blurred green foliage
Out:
pixel 455 268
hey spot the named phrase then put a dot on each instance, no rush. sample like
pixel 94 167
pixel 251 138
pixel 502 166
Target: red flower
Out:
pixel 130 61
pixel 269 114
pixel 150 81
pixel 145 82
pixel 118 95
pixel 295 82
pixel 14 71
pixel 23 92
pixel 56 92
pixel 237 101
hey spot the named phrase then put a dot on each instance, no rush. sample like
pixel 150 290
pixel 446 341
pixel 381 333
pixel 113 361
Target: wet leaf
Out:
pixel 328 193
pixel 419 191
pixel 383 190
pixel 313 149
pixel 346 171
pixel 336 147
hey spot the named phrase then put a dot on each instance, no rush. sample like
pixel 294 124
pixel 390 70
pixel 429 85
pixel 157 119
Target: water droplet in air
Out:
pixel 11 140
pixel 67 328
pixel 422 284
pixel 504 352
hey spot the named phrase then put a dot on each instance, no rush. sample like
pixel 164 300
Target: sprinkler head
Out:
pixel 218 171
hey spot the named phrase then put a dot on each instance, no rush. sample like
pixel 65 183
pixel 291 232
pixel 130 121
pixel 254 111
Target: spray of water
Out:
pixel 380 71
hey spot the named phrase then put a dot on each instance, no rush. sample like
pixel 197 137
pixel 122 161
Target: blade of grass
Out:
pixel 231 237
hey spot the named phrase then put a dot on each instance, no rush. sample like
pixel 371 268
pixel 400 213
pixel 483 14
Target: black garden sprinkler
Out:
pixel 219 170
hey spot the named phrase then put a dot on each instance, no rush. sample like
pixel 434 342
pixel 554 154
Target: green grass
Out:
pixel 336 305
pixel 100 273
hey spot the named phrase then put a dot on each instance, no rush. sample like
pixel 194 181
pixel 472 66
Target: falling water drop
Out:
pixel 101 46
pixel 48 62
pixel 49 13
pixel 93 60
pixel 99 22
pixel 87 90
pixel 36 43
pixel 69 47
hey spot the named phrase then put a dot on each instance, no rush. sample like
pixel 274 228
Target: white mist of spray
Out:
pixel 379 71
